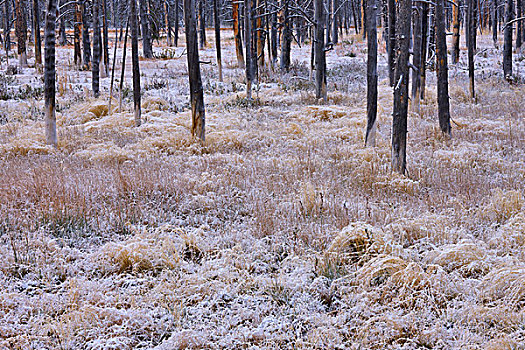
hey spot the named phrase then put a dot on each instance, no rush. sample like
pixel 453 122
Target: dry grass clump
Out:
pixel 504 285
pixel 468 257
pixel 378 270
pixel 501 205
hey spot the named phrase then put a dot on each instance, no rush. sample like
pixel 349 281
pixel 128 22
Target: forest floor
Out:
pixel 280 231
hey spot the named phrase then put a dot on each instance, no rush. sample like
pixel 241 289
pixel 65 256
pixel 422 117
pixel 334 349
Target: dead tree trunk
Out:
pixel 85 37
pixel 218 37
pixel 36 31
pixel 273 38
pixel 248 45
pixel 202 25
pixel 418 62
pixel 495 22
pixel 442 69
pixel 371 75
pixel 147 51
pixel 167 22
pixel 399 125
pixel 259 34
pixel 424 48
pixel 95 67
pixel 77 55
pixel 176 29
pixel 194 72
pixel 470 47
pixel 135 62
pixel 507 40
pixel 105 41
pixel 124 50
pixel 21 32
pixel 519 29
pixel 391 39
pixel 237 33
pixel 62 26
pixel 286 45
pixel 49 73
pixel 320 53
pixel 455 36
pixel 7 30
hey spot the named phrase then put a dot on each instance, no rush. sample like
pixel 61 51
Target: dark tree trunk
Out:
pixel 507 40
pixel 495 23
pixel 202 24
pixel 335 22
pixel 7 30
pixel 105 36
pixel 124 50
pixel 77 54
pixel 519 34
pixel 286 45
pixel 217 37
pixel 455 36
pixel 470 47
pixel 49 73
pixel 418 42
pixel 273 38
pixel 237 34
pixel 167 21
pixel 248 45
pixel 371 75
pixel 320 54
pixel 85 37
pixel 95 68
pixel 21 32
pixel 62 26
pixel 442 69
pixel 135 62
pixel 391 39
pixel 146 35
pixel 329 7
pixel 399 125
pixel 194 72
pixel 424 48
pixel 354 15
pixel 176 30
pixel 113 71
pixel 36 30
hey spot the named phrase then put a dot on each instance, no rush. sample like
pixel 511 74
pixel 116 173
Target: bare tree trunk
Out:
pixel 470 46
pixel 519 30
pixel 167 21
pixel 442 69
pixel 36 31
pixel 105 42
pixel 335 22
pixel 7 30
pixel 418 42
pixel 135 62
pixel 113 70
pixel 248 45
pixel 62 26
pixel 202 24
pixel 424 48
pixel 273 39
pixel 21 32
pixel 124 50
pixel 371 75
pixel 176 30
pixel 507 40
pixel 85 37
pixel 77 55
pixel 237 34
pixel 495 23
pixel 286 44
pixel 260 35
pixel 196 90
pixel 147 50
pixel 391 39
pixel 320 54
pixel 399 125
pixel 455 35
pixel 95 68
pixel 49 73
pixel 218 38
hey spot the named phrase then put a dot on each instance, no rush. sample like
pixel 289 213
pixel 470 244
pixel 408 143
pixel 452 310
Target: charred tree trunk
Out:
pixel 424 48
pixel 237 34
pixel 194 70
pixel 105 41
pixel 7 30
pixel 442 69
pixel 77 54
pixel 470 47
pixel 147 50
pixel 36 31
pixel 135 62
pixel 85 37
pixel 202 25
pixel 273 37
pixel 335 22
pixel 418 43
pixel 167 22
pixel 62 27
pixel 176 29
pixel 495 23
pixel 21 32
pixel 519 30
pixel 248 45
pixel 371 75
pixel 95 67
pixel 507 40
pixel 455 31
pixel 391 39
pixel 286 45
pixel 217 38
pixel 320 54
pixel 49 73
pixel 124 50
pixel 399 125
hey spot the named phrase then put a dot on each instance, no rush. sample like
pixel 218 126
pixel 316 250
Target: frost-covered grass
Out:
pixel 280 231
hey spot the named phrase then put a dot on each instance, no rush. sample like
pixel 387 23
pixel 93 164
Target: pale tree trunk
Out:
pixel 237 33
pixel 320 53
pixel 49 73
pixel 95 68
pixel 196 90
pixel 442 69
pixel 455 31
pixel 21 32
pixel 217 38
pixel 135 62
pixel 371 75
pixel 399 125
pixel 36 31
pixel 507 40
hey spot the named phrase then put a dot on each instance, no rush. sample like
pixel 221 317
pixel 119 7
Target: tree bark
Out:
pixel 470 47
pixel 95 67
pixel 286 45
pixel 7 30
pixel 176 29
pixel 442 69
pixel 371 75
pixel 507 40
pixel 105 37
pixel 85 37
pixel 135 62
pixel 399 124
pixel 320 54
pixel 77 55
pixel 62 27
pixel 424 47
pixel 167 21
pixel 418 62
pixel 495 23
pixel 217 38
pixel 519 30
pixel 196 90
pixel 49 73
pixel 147 50
pixel 237 34
pixel 36 31
pixel 21 32
pixel 124 50
pixel 202 25
pixel 455 35
pixel 260 35
pixel 248 45
pixel 391 39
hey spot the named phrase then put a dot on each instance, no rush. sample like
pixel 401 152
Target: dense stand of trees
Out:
pixel 413 33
